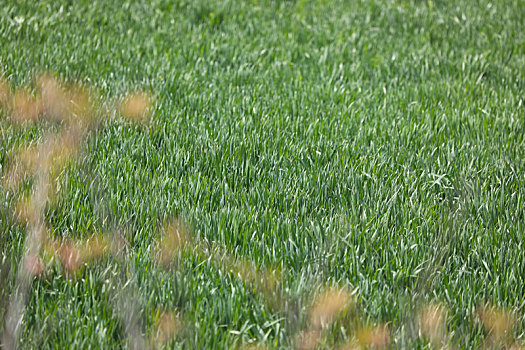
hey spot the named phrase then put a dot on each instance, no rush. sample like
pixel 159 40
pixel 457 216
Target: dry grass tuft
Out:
pixel 175 236
pixel 498 324
pixel 5 93
pixel 308 340
pixel 328 305
pixel 432 324
pixel 136 106
pixel 374 337
pixel 25 108
pixel 71 257
pixel 167 324
pixel 34 265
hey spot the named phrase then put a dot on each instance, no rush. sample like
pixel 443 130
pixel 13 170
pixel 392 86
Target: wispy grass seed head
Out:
pixel 71 257
pixel 432 324
pixel 328 305
pixel 308 339
pixel 135 106
pixel 167 324
pixel 34 265
pixel 25 108
pixel 54 98
pixel 374 337
pixel 175 237
pixel 5 93
pixel 498 323
pixel 27 210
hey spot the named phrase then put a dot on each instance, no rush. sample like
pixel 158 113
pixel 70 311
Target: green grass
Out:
pixel 374 144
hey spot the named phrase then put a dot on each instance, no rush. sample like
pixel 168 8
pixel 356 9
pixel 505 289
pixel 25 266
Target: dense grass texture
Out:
pixel 365 156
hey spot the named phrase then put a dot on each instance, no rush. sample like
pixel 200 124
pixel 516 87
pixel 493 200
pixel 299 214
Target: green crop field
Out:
pixel 310 174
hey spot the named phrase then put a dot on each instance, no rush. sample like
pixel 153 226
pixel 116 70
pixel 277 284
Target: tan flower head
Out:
pixel 54 99
pixel 175 237
pixel 432 323
pixel 167 325
pixel 33 265
pixel 70 256
pixel 497 322
pixel 4 94
pixel 136 106
pixel 25 107
pixel 308 340
pixel 376 337
pixel 328 305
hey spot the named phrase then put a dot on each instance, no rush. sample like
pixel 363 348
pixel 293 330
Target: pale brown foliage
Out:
pixel 4 94
pixel 25 108
pixel 327 306
pixel 498 323
pixel 308 340
pixel 34 265
pixel 135 106
pixel 167 325
pixel 432 324
pixel 175 237
pixel 70 256
pixel 376 336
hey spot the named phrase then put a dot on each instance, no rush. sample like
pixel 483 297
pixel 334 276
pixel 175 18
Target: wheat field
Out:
pixel 262 174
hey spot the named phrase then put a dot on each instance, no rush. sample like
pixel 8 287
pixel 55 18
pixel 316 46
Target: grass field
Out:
pixel 373 146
